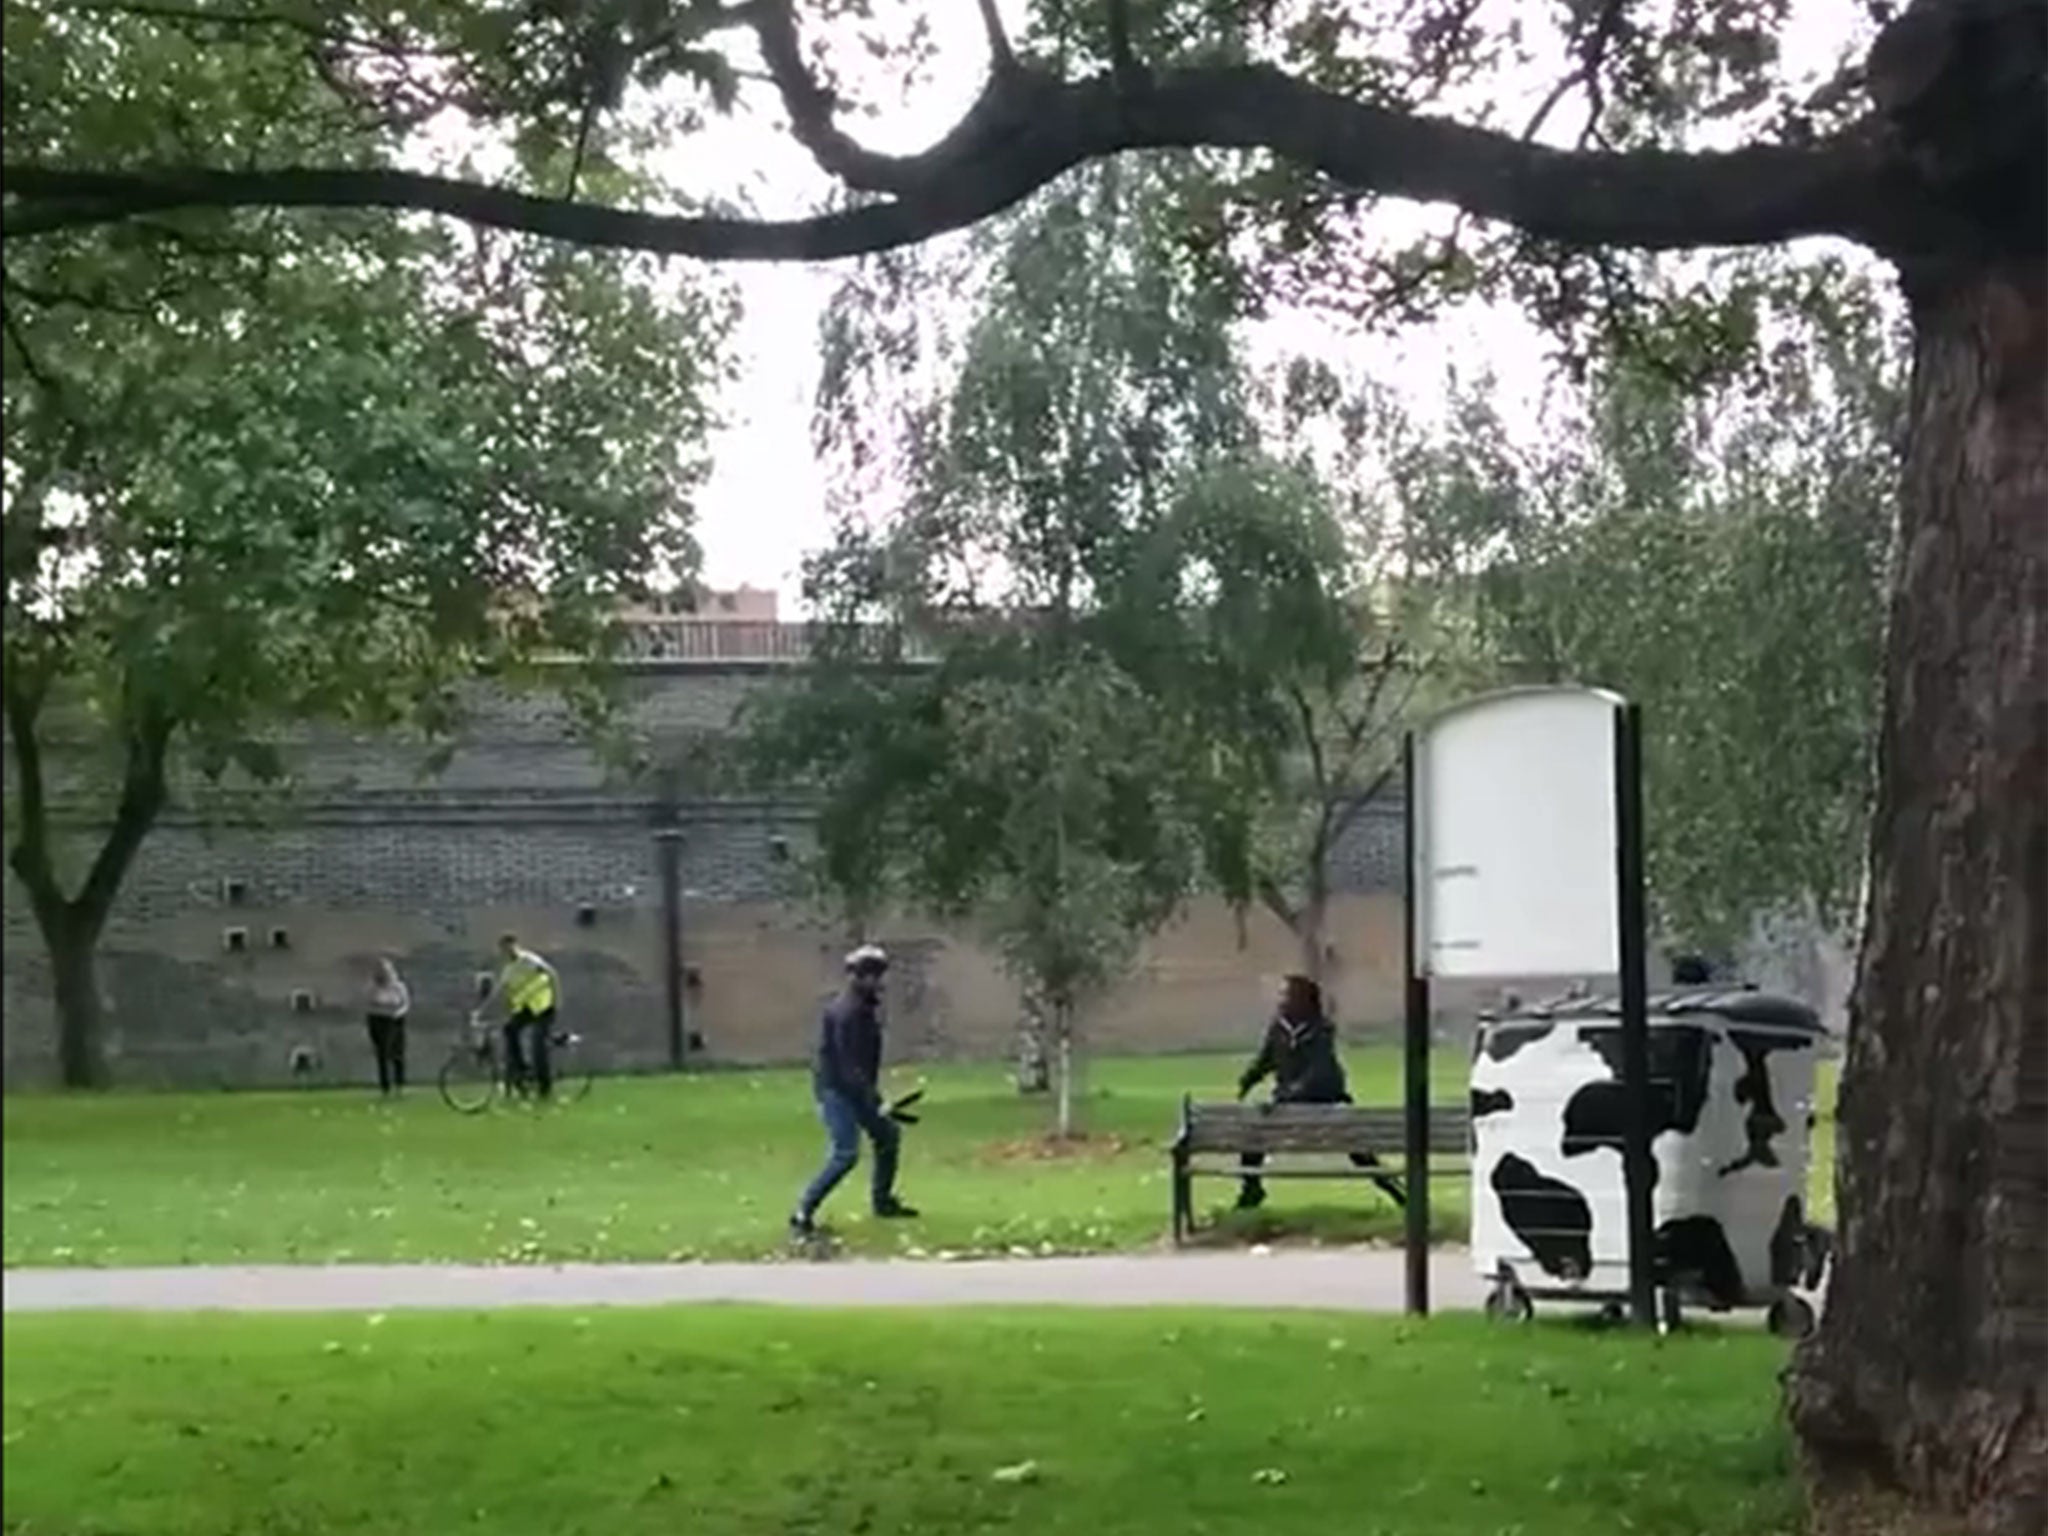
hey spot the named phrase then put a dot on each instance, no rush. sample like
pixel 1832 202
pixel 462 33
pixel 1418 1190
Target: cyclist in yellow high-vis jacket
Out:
pixel 530 988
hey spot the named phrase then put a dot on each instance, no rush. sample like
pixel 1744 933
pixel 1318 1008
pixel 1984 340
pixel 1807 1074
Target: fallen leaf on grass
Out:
pixel 1022 1472
pixel 1270 1477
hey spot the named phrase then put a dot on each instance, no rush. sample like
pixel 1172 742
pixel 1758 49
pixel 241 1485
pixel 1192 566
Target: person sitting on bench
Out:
pixel 1299 1053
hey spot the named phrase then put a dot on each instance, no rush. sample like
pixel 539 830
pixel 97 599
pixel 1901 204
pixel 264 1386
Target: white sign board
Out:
pixel 1516 837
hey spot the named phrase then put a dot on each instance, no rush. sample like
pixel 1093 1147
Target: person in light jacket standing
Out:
pixel 847 1084
pixel 389 1002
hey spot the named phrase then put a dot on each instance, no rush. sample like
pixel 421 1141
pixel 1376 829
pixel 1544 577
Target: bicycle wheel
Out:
pixel 469 1077
pixel 569 1064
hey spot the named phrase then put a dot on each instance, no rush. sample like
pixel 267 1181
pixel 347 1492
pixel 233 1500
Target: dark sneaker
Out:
pixel 895 1210
pixel 802 1229
pixel 1250 1199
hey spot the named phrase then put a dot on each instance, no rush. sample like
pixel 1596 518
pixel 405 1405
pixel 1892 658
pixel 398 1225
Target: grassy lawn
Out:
pixel 751 1421
pixel 649 1168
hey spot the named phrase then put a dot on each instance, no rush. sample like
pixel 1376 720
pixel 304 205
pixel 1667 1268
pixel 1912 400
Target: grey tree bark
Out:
pixel 1929 1371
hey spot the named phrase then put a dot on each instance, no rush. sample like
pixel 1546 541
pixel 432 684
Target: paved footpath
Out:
pixel 1359 1279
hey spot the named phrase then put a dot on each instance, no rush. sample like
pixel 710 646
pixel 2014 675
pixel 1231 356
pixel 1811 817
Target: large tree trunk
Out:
pixel 71 926
pixel 1924 1387
pixel 81 1012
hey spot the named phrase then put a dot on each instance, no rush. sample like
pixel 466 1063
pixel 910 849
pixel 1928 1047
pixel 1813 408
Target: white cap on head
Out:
pixel 869 957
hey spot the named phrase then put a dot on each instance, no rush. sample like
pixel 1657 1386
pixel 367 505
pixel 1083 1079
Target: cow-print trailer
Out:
pixel 1731 1112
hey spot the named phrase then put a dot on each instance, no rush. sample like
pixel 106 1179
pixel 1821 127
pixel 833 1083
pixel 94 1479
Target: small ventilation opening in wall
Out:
pixel 693 978
pixel 280 938
pixel 484 982
pixel 696 1041
pixel 302 1001
pixel 586 916
pixel 234 941
pixel 234 891
pixel 778 849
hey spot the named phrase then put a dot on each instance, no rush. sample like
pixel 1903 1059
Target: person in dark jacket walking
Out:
pixel 847 1082
pixel 1299 1053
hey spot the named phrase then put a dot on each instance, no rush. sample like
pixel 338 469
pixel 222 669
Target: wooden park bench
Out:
pixel 1330 1130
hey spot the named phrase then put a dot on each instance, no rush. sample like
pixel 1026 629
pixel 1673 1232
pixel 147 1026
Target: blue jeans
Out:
pixel 524 1069
pixel 845 1120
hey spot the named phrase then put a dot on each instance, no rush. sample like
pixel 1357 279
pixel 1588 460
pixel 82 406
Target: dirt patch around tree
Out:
pixel 1079 1147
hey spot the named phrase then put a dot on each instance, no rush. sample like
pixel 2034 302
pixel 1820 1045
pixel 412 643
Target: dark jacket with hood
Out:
pixel 849 1058
pixel 1301 1057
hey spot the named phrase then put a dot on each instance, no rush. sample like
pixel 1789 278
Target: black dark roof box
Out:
pixel 1736 1005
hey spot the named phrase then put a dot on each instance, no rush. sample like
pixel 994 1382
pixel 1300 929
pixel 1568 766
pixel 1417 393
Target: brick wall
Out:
pixel 524 829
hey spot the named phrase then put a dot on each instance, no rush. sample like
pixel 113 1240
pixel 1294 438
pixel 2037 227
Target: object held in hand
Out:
pixel 900 1110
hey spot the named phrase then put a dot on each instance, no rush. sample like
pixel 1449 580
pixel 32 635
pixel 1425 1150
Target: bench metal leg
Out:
pixel 1393 1189
pixel 1183 1198
pixel 1389 1184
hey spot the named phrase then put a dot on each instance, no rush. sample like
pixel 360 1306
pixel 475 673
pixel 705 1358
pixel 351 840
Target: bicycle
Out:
pixel 474 1075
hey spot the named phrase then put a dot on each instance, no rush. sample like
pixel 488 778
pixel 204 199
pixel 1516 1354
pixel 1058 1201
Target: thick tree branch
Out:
pixel 72 199
pixel 1316 864
pixel 1276 902
pixel 1549 103
pixel 55 391
pixel 1002 57
pixel 1312 740
pixel 1123 57
pixel 208 16
pixel 144 790
pixel 30 855
pixel 1593 49
pixel 1368 727
pixel 1355 804
pixel 31 366
pixel 1021 136
pixel 812 108
pixel 102 300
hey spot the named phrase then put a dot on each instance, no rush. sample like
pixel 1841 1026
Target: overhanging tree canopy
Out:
pixel 1941 165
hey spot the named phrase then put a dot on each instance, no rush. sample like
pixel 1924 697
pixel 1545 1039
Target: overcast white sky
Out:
pixel 765 505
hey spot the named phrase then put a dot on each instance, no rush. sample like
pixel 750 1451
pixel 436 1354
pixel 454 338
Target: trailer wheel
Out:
pixel 1507 1302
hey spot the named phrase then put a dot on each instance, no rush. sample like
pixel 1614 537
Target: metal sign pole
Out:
pixel 1637 1169
pixel 1415 1120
